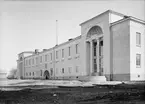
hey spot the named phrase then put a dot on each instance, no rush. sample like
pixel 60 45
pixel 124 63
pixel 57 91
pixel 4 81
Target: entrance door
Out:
pixel 46 75
pixel 95 55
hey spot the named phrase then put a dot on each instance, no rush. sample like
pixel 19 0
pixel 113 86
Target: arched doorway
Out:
pixel 46 74
pixel 94 46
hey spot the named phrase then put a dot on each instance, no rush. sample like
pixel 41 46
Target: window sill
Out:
pixel 69 58
pixel 138 66
pixel 138 45
pixel 62 59
pixel 57 61
pixel 77 56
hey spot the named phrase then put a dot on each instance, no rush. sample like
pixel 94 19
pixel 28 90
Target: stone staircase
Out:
pixel 94 78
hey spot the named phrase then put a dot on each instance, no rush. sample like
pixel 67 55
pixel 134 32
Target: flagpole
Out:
pixel 56 34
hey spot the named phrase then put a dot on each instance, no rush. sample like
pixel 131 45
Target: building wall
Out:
pixel 71 64
pixel 137 73
pixel 121 51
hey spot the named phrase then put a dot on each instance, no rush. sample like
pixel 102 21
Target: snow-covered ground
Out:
pixel 35 84
pixel 54 83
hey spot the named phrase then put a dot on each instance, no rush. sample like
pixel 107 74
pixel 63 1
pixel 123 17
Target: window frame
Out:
pixel 56 54
pixel 138 36
pixel 46 57
pixel 62 70
pixel 138 66
pixel 41 60
pixel 77 69
pixel 69 49
pixel 69 69
pixel 77 46
pixel 62 53
pixel 51 56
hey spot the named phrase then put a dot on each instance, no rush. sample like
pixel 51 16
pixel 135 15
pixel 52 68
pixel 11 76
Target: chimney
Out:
pixel 36 51
pixel 126 16
pixel 44 49
pixel 70 39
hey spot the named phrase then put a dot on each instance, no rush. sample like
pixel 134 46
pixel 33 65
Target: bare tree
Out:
pixel 12 73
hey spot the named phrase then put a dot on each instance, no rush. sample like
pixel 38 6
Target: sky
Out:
pixel 29 25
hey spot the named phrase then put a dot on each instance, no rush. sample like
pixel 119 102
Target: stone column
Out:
pixel 91 56
pixel 98 43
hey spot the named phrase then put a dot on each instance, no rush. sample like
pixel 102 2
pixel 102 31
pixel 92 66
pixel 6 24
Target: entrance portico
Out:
pixel 94 44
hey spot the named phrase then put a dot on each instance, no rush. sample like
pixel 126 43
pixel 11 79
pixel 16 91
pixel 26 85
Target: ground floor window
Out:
pixel 33 73
pixel 77 69
pixel 62 70
pixel 41 72
pixel 45 66
pixel 138 60
pixel 51 71
pixel 56 70
pixel 69 69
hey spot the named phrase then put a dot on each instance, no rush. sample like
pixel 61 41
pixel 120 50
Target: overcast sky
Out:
pixel 29 25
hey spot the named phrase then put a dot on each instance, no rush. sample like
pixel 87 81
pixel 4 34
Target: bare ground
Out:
pixel 99 94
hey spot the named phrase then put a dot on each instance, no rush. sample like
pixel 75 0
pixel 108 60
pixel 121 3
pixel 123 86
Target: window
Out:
pixel 62 53
pixel 33 73
pixel 45 66
pixel 77 69
pixel 69 51
pixel 56 54
pixel 51 55
pixel 29 61
pixel 138 39
pixel 36 60
pixel 138 60
pixel 26 62
pixel 46 57
pixel 40 59
pixel 76 48
pixel 56 70
pixel 33 61
pixel 51 71
pixel 69 69
pixel 40 72
pixel 30 73
pixel 62 70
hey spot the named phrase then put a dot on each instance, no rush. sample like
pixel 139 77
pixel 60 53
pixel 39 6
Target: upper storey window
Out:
pixel 76 48
pixel 46 57
pixel 40 59
pixel 138 39
pixel 36 60
pixel 33 61
pixel 56 54
pixel 62 53
pixel 51 55
pixel 95 30
pixel 69 51
pixel 29 61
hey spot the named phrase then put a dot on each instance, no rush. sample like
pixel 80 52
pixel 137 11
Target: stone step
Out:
pixel 95 78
